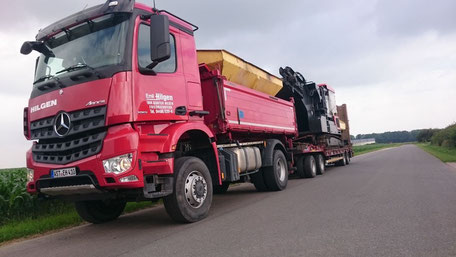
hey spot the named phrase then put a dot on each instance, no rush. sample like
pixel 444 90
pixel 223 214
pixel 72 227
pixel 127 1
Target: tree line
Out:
pixel 391 136
pixel 441 137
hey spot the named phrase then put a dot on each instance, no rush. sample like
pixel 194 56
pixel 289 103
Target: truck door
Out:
pixel 160 93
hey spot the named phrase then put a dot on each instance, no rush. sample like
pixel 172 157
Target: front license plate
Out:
pixel 68 172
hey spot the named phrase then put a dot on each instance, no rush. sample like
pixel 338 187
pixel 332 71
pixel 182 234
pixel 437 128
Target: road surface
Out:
pixel 395 202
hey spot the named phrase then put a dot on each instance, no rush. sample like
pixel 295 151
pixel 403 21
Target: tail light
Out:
pixel 26 124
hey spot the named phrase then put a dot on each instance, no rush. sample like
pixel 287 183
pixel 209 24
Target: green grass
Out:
pixel 443 153
pixel 33 226
pixel 22 214
pixel 362 149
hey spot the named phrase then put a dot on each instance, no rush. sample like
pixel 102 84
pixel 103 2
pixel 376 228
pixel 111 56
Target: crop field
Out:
pixel 22 214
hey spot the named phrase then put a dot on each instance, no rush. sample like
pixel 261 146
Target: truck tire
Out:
pixel 221 189
pixel 258 181
pixel 347 158
pixel 100 211
pixel 342 162
pixel 192 191
pixel 320 161
pixel 307 168
pixel 276 176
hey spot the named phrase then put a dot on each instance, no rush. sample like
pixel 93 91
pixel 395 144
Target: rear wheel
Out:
pixel 221 189
pixel 307 167
pixel 320 164
pixel 192 195
pixel 100 211
pixel 343 161
pixel 276 176
pixel 347 158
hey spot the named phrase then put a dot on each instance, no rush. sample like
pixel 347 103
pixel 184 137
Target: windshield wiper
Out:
pixel 50 81
pixel 81 66
pixel 44 78
pixel 74 67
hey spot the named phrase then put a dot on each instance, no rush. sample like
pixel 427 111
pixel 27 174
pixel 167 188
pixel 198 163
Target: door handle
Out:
pixel 181 110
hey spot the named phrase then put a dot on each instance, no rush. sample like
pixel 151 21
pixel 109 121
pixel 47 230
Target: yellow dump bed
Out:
pixel 240 72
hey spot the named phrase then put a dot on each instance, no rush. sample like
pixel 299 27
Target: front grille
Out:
pixel 84 139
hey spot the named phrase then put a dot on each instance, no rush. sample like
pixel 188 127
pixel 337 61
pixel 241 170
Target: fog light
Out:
pixel 30 175
pixel 119 164
pixel 131 178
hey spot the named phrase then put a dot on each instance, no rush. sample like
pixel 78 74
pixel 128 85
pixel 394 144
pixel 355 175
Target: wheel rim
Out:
pixel 322 163
pixel 280 168
pixel 313 166
pixel 195 189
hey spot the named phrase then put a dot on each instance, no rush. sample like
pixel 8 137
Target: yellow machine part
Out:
pixel 240 72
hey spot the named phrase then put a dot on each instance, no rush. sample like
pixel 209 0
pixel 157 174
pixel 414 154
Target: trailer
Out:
pixel 124 108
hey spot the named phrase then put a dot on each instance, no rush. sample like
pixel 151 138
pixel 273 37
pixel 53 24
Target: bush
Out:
pixel 425 135
pixel 16 203
pixel 445 137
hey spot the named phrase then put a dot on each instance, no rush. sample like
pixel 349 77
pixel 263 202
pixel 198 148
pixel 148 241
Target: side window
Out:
pixel 167 66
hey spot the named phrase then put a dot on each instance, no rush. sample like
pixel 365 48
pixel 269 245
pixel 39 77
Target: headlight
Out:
pixel 30 175
pixel 119 164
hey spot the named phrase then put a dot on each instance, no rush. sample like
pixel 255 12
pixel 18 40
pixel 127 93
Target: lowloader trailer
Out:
pixel 124 108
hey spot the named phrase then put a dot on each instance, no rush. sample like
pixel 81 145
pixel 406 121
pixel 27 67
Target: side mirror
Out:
pixel 38 46
pixel 160 48
pixel 26 48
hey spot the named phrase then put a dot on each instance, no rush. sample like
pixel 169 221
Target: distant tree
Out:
pixel 425 135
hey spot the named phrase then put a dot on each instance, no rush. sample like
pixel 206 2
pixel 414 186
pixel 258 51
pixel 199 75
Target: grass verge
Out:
pixel 443 153
pixel 29 227
pixel 362 149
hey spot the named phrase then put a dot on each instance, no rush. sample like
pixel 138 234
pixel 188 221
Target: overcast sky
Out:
pixel 393 62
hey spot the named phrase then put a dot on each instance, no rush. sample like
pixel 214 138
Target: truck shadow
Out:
pixel 238 196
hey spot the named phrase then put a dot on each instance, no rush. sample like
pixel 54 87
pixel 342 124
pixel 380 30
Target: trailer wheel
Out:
pixel 192 191
pixel 347 158
pixel 100 211
pixel 257 179
pixel 276 176
pixel 342 162
pixel 221 189
pixel 307 167
pixel 320 164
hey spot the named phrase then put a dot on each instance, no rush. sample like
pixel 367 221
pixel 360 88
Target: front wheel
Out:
pixel 276 176
pixel 100 211
pixel 192 195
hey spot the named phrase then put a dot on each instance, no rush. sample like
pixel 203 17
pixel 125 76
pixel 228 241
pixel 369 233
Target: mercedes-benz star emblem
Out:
pixel 62 124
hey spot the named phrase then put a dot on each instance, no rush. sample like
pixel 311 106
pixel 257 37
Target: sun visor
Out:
pixel 124 6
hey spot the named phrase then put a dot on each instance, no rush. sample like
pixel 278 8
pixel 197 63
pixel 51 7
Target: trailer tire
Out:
pixel 320 160
pixel 221 189
pixel 192 191
pixel 257 179
pixel 276 176
pixel 307 168
pixel 347 158
pixel 100 211
pixel 342 162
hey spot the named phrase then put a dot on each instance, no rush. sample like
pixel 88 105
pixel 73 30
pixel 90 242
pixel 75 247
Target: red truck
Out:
pixel 121 110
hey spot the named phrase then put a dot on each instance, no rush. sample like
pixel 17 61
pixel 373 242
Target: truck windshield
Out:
pixel 96 43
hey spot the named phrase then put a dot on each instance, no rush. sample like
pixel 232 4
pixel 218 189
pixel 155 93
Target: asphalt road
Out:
pixel 395 202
